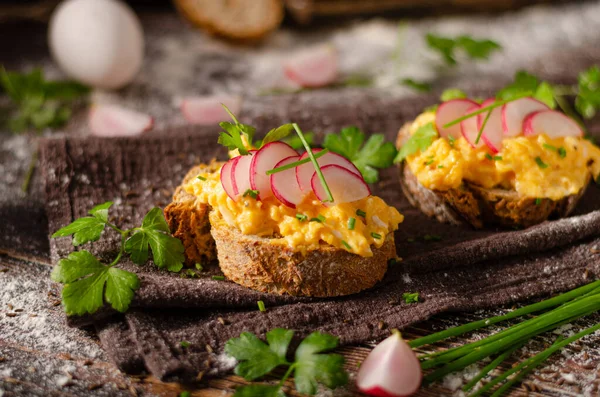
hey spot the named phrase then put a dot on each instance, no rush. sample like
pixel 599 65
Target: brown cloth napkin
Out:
pixel 465 270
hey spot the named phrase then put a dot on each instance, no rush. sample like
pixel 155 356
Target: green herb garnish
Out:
pixel 474 49
pixel 277 134
pixel 232 136
pixel 440 166
pixel 374 154
pixel 184 344
pixel 261 306
pixel 252 193
pixel 199 267
pixel 419 141
pixel 429 162
pixel 351 223
pixel 345 244
pixel 376 235
pixel 200 178
pixel 320 218
pixel 39 103
pixel 315 163
pixel 296 143
pixel 410 297
pixel 309 367
pixel 420 86
pixel 540 162
pixel 301 217
pixel 587 101
pixel 452 93
pixel 562 152
pixel 538 201
pixel 451 140
pixel 218 278
pixel 89 283
pixel 361 213
pixel 297 163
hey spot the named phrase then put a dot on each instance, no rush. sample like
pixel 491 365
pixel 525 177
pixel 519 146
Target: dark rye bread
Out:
pixel 481 207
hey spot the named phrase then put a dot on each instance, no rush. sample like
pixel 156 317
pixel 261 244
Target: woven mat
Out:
pixel 465 270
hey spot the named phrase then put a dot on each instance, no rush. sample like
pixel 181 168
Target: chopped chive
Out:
pixel 314 161
pixel 199 267
pixel 320 218
pixel 184 394
pixel 429 162
pixel 487 117
pixel 432 237
pixel 550 147
pixel 562 152
pixel 261 306
pixel 346 245
pixel 201 178
pixel 297 163
pixel 497 158
pixel 301 217
pixel 538 201
pixel 488 156
pixel 351 223
pixel 451 140
pixel 376 235
pixel 540 162
pixel 184 344
pixel 252 193
pixel 218 278
pixel 441 166
pixel 410 297
pixel 361 213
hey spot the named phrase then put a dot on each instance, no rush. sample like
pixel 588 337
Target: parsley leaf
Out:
pixel 277 134
pixel 587 101
pixel 88 228
pixel 545 93
pixel 232 136
pixel 167 251
pixel 257 358
pixel 420 140
pixel 88 283
pixel 420 86
pixel 259 391
pixel 473 48
pixel 375 153
pixel 38 103
pixel 452 93
pixel 312 368
pixel 524 84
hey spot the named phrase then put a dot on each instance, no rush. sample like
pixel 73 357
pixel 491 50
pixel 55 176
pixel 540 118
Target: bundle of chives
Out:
pixel 554 312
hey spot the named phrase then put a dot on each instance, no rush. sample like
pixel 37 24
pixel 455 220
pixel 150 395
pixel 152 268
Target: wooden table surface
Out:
pixel 34 339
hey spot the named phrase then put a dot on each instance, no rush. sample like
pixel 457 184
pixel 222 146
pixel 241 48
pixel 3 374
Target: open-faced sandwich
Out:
pixel 282 222
pixel 513 163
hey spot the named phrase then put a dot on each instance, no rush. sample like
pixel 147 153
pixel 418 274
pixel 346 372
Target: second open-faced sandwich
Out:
pixel 283 222
pixel 511 163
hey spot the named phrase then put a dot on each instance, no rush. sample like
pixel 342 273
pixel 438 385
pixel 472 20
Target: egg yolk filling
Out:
pixel 354 227
pixel 534 166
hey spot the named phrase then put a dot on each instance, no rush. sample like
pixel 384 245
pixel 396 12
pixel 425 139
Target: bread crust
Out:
pixel 481 207
pixel 268 264
pixel 188 220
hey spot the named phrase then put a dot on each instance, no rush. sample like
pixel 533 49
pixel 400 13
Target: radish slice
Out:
pixel 113 121
pixel 513 114
pixel 207 110
pixel 305 172
pixel 449 111
pixel 492 133
pixel 240 173
pixel 226 179
pixel 284 184
pixel 264 160
pixel 552 123
pixel 312 67
pixel 390 370
pixel 345 186
pixel 469 130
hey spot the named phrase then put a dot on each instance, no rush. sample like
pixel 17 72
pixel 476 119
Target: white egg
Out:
pixel 97 42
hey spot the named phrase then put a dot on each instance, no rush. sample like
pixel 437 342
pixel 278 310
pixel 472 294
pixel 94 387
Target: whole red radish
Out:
pixel 390 370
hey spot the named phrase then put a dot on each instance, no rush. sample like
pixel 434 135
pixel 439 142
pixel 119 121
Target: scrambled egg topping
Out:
pixel 535 166
pixel 270 218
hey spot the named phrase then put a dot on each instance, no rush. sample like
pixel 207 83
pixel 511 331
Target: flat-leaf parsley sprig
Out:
pixel 309 367
pixel 88 282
